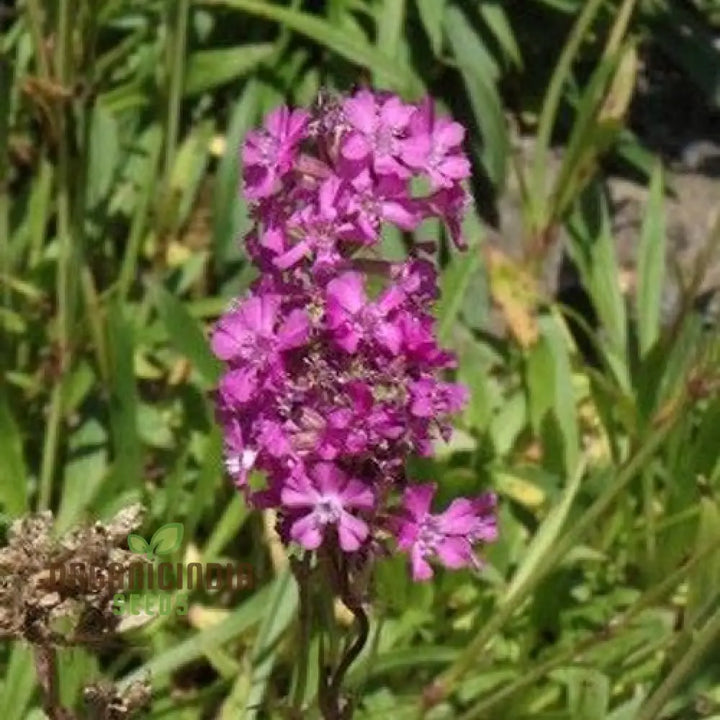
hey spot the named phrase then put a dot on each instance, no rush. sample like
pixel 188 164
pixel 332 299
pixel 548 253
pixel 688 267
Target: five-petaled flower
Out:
pixel 448 536
pixel 269 153
pixel 323 499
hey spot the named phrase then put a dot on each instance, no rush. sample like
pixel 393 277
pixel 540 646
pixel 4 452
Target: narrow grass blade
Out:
pixel 324 33
pixel 391 26
pixel 431 16
pixel 18 683
pixel 546 536
pixel 207 69
pixel 479 72
pixel 651 265
pixel 127 449
pixel 13 473
pixel 280 610
pixel 229 208
pixel 186 335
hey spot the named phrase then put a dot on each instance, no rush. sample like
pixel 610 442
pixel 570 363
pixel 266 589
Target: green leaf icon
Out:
pixel 167 538
pixel 138 544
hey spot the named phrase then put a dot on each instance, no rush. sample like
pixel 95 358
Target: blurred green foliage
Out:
pixel 120 124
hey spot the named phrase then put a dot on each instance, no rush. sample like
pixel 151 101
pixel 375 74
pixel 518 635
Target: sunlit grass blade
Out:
pixel 229 210
pixel 13 472
pixel 479 73
pixel 326 34
pixel 209 68
pixel 123 404
pixel 280 610
pixel 651 266
pixel 18 683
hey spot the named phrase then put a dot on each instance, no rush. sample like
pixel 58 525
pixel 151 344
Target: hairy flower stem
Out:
pixel 332 705
pixel 349 658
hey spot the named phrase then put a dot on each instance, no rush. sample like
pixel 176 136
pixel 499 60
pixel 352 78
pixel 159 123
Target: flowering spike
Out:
pixel 331 384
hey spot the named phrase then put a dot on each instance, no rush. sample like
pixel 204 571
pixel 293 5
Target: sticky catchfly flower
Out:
pixel 333 373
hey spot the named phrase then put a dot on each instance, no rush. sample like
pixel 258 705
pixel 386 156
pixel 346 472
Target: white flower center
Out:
pixel 429 536
pixel 328 510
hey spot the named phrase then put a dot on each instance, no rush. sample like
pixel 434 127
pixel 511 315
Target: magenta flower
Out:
pixel 451 205
pixel 378 126
pixel 324 499
pixel 269 153
pixel 435 147
pixel 377 201
pixel 448 536
pixel 431 398
pixel 318 227
pixel 352 318
pixel 250 333
pixel 249 339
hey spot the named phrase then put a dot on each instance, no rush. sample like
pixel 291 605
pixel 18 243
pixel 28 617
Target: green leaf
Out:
pixel 454 282
pixel 387 69
pixel 167 539
pixel 508 422
pixel 13 474
pixel 540 382
pixel 127 450
pixel 189 170
pixel 456 278
pixel 229 207
pixel 391 26
pixel 628 710
pixel 186 335
pixel 547 535
pixel 551 106
pixel 479 72
pixel 555 335
pixel 651 265
pixel 18 683
pixel 402 659
pixel 103 154
pixel 75 666
pixel 226 528
pixel 588 693
pixel 138 544
pixel 431 16
pixel 705 579
pixel 154 428
pixel 593 251
pixel 280 611
pixel 86 468
pixel 209 68
pixel 597 123
pixel 496 19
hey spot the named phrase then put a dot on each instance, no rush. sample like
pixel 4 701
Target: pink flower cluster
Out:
pixel 332 365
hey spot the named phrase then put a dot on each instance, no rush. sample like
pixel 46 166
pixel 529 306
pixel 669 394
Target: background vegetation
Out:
pixel 594 414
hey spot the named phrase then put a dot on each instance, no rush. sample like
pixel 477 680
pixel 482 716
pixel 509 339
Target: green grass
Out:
pixel 120 124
